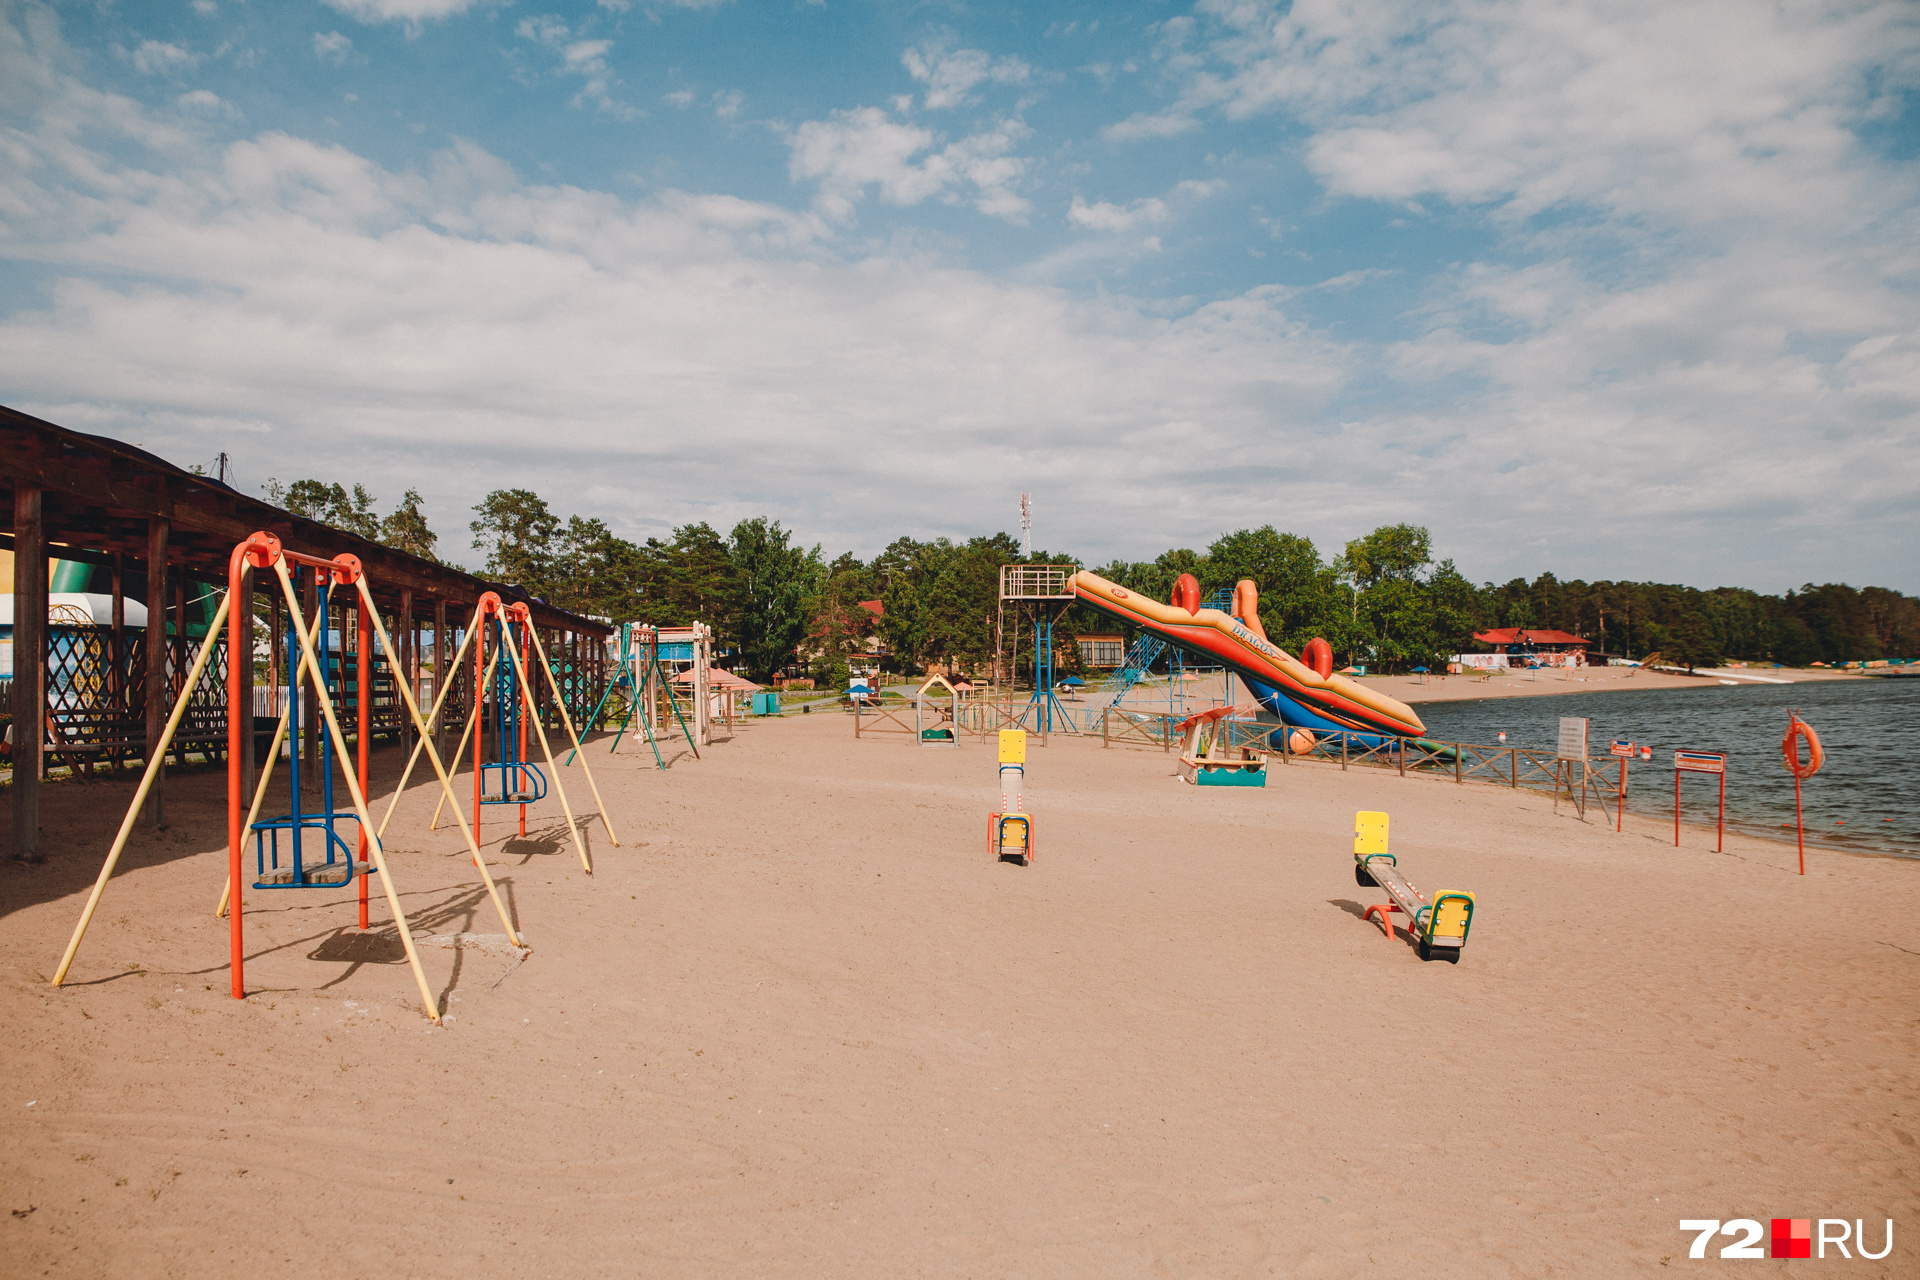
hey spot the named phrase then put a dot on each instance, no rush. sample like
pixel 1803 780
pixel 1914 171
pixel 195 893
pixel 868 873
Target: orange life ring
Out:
pixel 1319 655
pixel 1790 749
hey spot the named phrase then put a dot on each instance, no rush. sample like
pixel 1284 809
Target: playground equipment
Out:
pixel 1439 928
pixel 933 724
pixel 262 551
pixel 1010 830
pixel 1308 697
pixel 501 682
pixel 1799 731
pixel 1035 595
pixel 644 679
pixel 1208 757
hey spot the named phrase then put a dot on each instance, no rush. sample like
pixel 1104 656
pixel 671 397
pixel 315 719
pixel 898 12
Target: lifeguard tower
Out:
pixel 1032 598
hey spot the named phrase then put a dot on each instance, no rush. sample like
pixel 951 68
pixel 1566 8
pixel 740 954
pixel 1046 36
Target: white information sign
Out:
pixel 1573 738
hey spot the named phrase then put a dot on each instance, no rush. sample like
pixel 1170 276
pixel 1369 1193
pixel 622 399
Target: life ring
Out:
pixel 1319 655
pixel 1790 749
pixel 1186 593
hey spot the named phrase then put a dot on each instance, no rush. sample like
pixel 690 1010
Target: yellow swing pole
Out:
pixel 259 794
pixel 473 719
pixel 439 701
pixel 446 784
pixel 310 664
pixel 158 755
pixel 561 704
pixel 566 809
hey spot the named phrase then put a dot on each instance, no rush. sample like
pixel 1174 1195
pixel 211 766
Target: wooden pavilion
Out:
pixel 89 696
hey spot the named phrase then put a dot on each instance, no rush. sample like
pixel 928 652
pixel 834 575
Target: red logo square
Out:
pixel 1793 1237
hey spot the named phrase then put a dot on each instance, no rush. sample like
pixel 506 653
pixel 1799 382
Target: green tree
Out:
pixel 406 529
pixel 776 584
pixel 330 504
pixel 516 530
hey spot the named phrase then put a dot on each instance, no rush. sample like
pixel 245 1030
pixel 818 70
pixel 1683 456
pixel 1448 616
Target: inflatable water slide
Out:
pixel 1304 694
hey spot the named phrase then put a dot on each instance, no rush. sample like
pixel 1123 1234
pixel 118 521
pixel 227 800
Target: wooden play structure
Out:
pixel 263 552
pixel 1209 757
pixel 505 698
pixel 1010 830
pixel 935 724
pixel 644 681
pixel 1438 928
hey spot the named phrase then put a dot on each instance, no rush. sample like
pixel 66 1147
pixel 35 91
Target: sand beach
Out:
pixel 799 1023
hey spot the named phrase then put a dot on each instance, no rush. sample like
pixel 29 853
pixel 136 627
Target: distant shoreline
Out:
pixel 1412 690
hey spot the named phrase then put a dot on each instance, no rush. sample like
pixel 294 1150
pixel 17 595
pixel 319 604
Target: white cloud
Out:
pixel 584 58
pixel 207 101
pixel 1726 393
pixel 331 47
pixel 1103 216
pixel 1150 125
pixel 155 58
pixel 950 74
pixel 728 102
pixel 862 148
pixel 460 329
pixel 412 12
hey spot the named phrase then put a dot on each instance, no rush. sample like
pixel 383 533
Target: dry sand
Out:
pixel 800 1024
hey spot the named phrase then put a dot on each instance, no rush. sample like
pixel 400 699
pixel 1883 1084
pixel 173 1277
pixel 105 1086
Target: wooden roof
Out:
pixel 100 493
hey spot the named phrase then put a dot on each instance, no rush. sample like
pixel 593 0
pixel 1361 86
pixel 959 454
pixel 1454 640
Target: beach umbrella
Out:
pixel 1420 671
pixel 1074 682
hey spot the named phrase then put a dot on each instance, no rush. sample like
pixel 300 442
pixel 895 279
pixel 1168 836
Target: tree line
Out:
pixel 1381 600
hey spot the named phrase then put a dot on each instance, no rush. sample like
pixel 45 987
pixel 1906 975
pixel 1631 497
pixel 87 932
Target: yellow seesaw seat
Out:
pixel 1439 928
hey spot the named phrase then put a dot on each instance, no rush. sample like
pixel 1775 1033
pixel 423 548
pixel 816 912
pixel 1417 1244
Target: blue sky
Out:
pixel 1610 289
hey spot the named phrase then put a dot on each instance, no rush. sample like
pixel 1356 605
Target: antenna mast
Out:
pixel 1026 526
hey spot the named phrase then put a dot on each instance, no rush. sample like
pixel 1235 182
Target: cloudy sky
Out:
pixel 1615 289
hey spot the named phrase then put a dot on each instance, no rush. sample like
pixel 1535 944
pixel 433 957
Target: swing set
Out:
pixel 505 645
pixel 307 651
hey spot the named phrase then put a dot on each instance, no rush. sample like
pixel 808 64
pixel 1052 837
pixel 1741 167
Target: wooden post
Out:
pixel 409 642
pixel 29 666
pixel 179 641
pixel 117 660
pixel 158 704
pixel 1344 739
pixel 442 672
pixel 1515 753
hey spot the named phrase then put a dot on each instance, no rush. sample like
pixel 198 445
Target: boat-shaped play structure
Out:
pixel 1302 694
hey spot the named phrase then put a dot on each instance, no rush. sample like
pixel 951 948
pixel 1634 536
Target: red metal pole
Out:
pixel 238 740
pixel 526 652
pixel 1720 842
pixel 365 707
pixel 1799 819
pixel 1620 801
pixel 479 716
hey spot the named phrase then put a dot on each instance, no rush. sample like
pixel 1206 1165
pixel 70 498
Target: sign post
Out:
pixel 1572 750
pixel 1626 751
pixel 1700 762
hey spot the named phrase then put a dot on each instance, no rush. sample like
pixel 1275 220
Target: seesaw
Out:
pixel 1438 927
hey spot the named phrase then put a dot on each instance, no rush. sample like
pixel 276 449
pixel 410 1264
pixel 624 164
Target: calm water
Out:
pixel 1870 729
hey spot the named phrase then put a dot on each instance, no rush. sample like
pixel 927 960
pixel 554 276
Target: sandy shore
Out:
pixel 1534 684
pixel 800 1024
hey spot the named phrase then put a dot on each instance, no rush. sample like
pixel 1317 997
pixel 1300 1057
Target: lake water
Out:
pixel 1866 797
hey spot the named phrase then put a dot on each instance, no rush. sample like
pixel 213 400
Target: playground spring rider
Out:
pixel 1010 831
pixel 510 779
